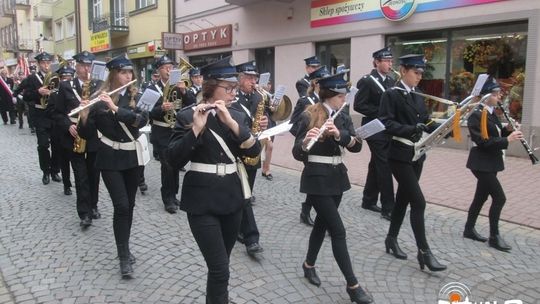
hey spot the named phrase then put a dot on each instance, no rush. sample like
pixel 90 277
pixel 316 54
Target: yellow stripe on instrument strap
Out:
pixel 456 126
pixel 483 124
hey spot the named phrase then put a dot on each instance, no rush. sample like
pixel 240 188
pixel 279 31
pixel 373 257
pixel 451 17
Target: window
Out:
pixel 145 3
pixel 119 10
pixel 58 30
pixel 70 26
pixel 97 8
pixel 334 53
pixel 457 56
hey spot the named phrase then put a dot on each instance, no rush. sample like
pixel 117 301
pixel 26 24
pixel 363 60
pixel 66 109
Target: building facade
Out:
pixel 460 40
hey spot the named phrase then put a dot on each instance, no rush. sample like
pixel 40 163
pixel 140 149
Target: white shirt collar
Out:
pixel 490 109
pixel 383 77
pixel 328 108
pixel 123 92
pixel 409 89
pixel 80 82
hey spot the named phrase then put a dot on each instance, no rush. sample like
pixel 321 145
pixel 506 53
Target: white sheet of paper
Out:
pixel 280 91
pixel 148 99
pixel 98 70
pixel 174 77
pixel 264 78
pixel 479 84
pixel 373 127
pixel 350 96
pixel 281 128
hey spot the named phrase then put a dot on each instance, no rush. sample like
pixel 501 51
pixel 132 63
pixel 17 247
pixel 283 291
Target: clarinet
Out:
pixel 525 144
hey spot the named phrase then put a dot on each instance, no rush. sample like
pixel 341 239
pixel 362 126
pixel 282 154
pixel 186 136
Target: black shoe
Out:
pixel 386 215
pixel 425 257
pixel 498 243
pixel 311 275
pixel 473 235
pixel 306 219
pixel 132 260
pixel 373 208
pixel 126 269
pixel 268 176
pixel 20 127
pixel 171 208
pixel 254 249
pixel 359 296
pixel 252 199
pixel 240 238
pixel 67 191
pixel 55 177
pixel 391 244
pixel 143 187
pixel 45 179
pixel 95 214
pixel 86 222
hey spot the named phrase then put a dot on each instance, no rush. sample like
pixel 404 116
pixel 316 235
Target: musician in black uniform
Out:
pixel 65 73
pixel 485 160
pixel 118 120
pixel 162 130
pixel 7 108
pixel 35 89
pixel 249 101
pixel 70 94
pixel 324 178
pixel 367 102
pixel 189 95
pixel 311 98
pixel 405 117
pixel 312 63
pixel 212 191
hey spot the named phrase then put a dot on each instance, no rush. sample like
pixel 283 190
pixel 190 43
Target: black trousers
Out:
pixel 409 192
pixel 93 178
pixel 82 184
pixel 328 218
pixel 248 227
pixel 215 235
pixel 11 114
pixel 63 157
pixel 48 162
pixel 31 114
pixel 170 180
pixel 487 184
pixel 21 109
pixel 122 187
pixel 379 177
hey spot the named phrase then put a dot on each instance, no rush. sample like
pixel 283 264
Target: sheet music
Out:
pixel 148 99
pixel 281 128
pixel 278 95
pixel 479 84
pixel 373 127
pixel 264 78
pixel 98 70
pixel 350 96
pixel 174 77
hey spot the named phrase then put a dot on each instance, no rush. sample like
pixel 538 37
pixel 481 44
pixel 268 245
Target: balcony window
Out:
pixel 58 30
pixel 145 3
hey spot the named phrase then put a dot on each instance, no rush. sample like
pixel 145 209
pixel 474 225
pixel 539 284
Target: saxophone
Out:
pixel 256 127
pixel 79 143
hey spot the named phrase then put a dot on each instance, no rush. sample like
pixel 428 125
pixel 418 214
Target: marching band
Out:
pixel 210 120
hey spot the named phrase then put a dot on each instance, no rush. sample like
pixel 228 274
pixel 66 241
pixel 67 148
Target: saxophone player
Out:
pixel 37 86
pixel 161 132
pixel 70 95
pixel 250 102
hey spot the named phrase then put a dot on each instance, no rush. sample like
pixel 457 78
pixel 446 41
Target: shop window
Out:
pixel 202 60
pixel 334 53
pixel 455 58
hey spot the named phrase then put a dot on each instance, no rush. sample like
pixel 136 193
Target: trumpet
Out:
pixel 97 99
pixel 323 128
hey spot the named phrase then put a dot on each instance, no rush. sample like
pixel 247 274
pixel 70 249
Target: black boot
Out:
pixel 45 179
pixel 391 244
pixel 305 216
pixel 125 266
pixel 497 242
pixel 311 275
pixel 358 295
pixel 425 257
pixel 471 233
pixel 55 177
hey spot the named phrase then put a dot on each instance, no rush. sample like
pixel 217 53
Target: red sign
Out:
pixel 219 36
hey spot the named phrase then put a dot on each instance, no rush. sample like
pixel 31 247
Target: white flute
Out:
pixel 95 100
pixel 323 128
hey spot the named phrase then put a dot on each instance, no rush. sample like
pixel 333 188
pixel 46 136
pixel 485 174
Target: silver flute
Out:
pixel 323 128
pixel 95 100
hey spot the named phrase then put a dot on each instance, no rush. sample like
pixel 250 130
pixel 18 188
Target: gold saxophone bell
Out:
pixel 256 126
pixel 79 143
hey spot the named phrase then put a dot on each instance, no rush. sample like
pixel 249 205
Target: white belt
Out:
pixel 161 124
pixel 128 146
pixel 403 140
pixel 74 119
pixel 333 160
pixel 38 106
pixel 219 169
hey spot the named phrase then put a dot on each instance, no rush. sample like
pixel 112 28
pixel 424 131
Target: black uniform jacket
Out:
pixel 160 135
pixel 487 155
pixel 368 98
pixel 302 85
pixel 400 112
pixel 190 96
pixel 41 119
pixel 208 193
pixel 301 105
pixel 6 103
pixel 105 121
pixel 249 102
pixel 325 179
pixel 65 101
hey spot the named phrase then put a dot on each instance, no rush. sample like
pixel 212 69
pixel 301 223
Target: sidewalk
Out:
pixel 446 181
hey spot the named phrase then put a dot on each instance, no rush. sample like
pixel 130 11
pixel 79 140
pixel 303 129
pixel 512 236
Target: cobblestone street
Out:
pixel 46 258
